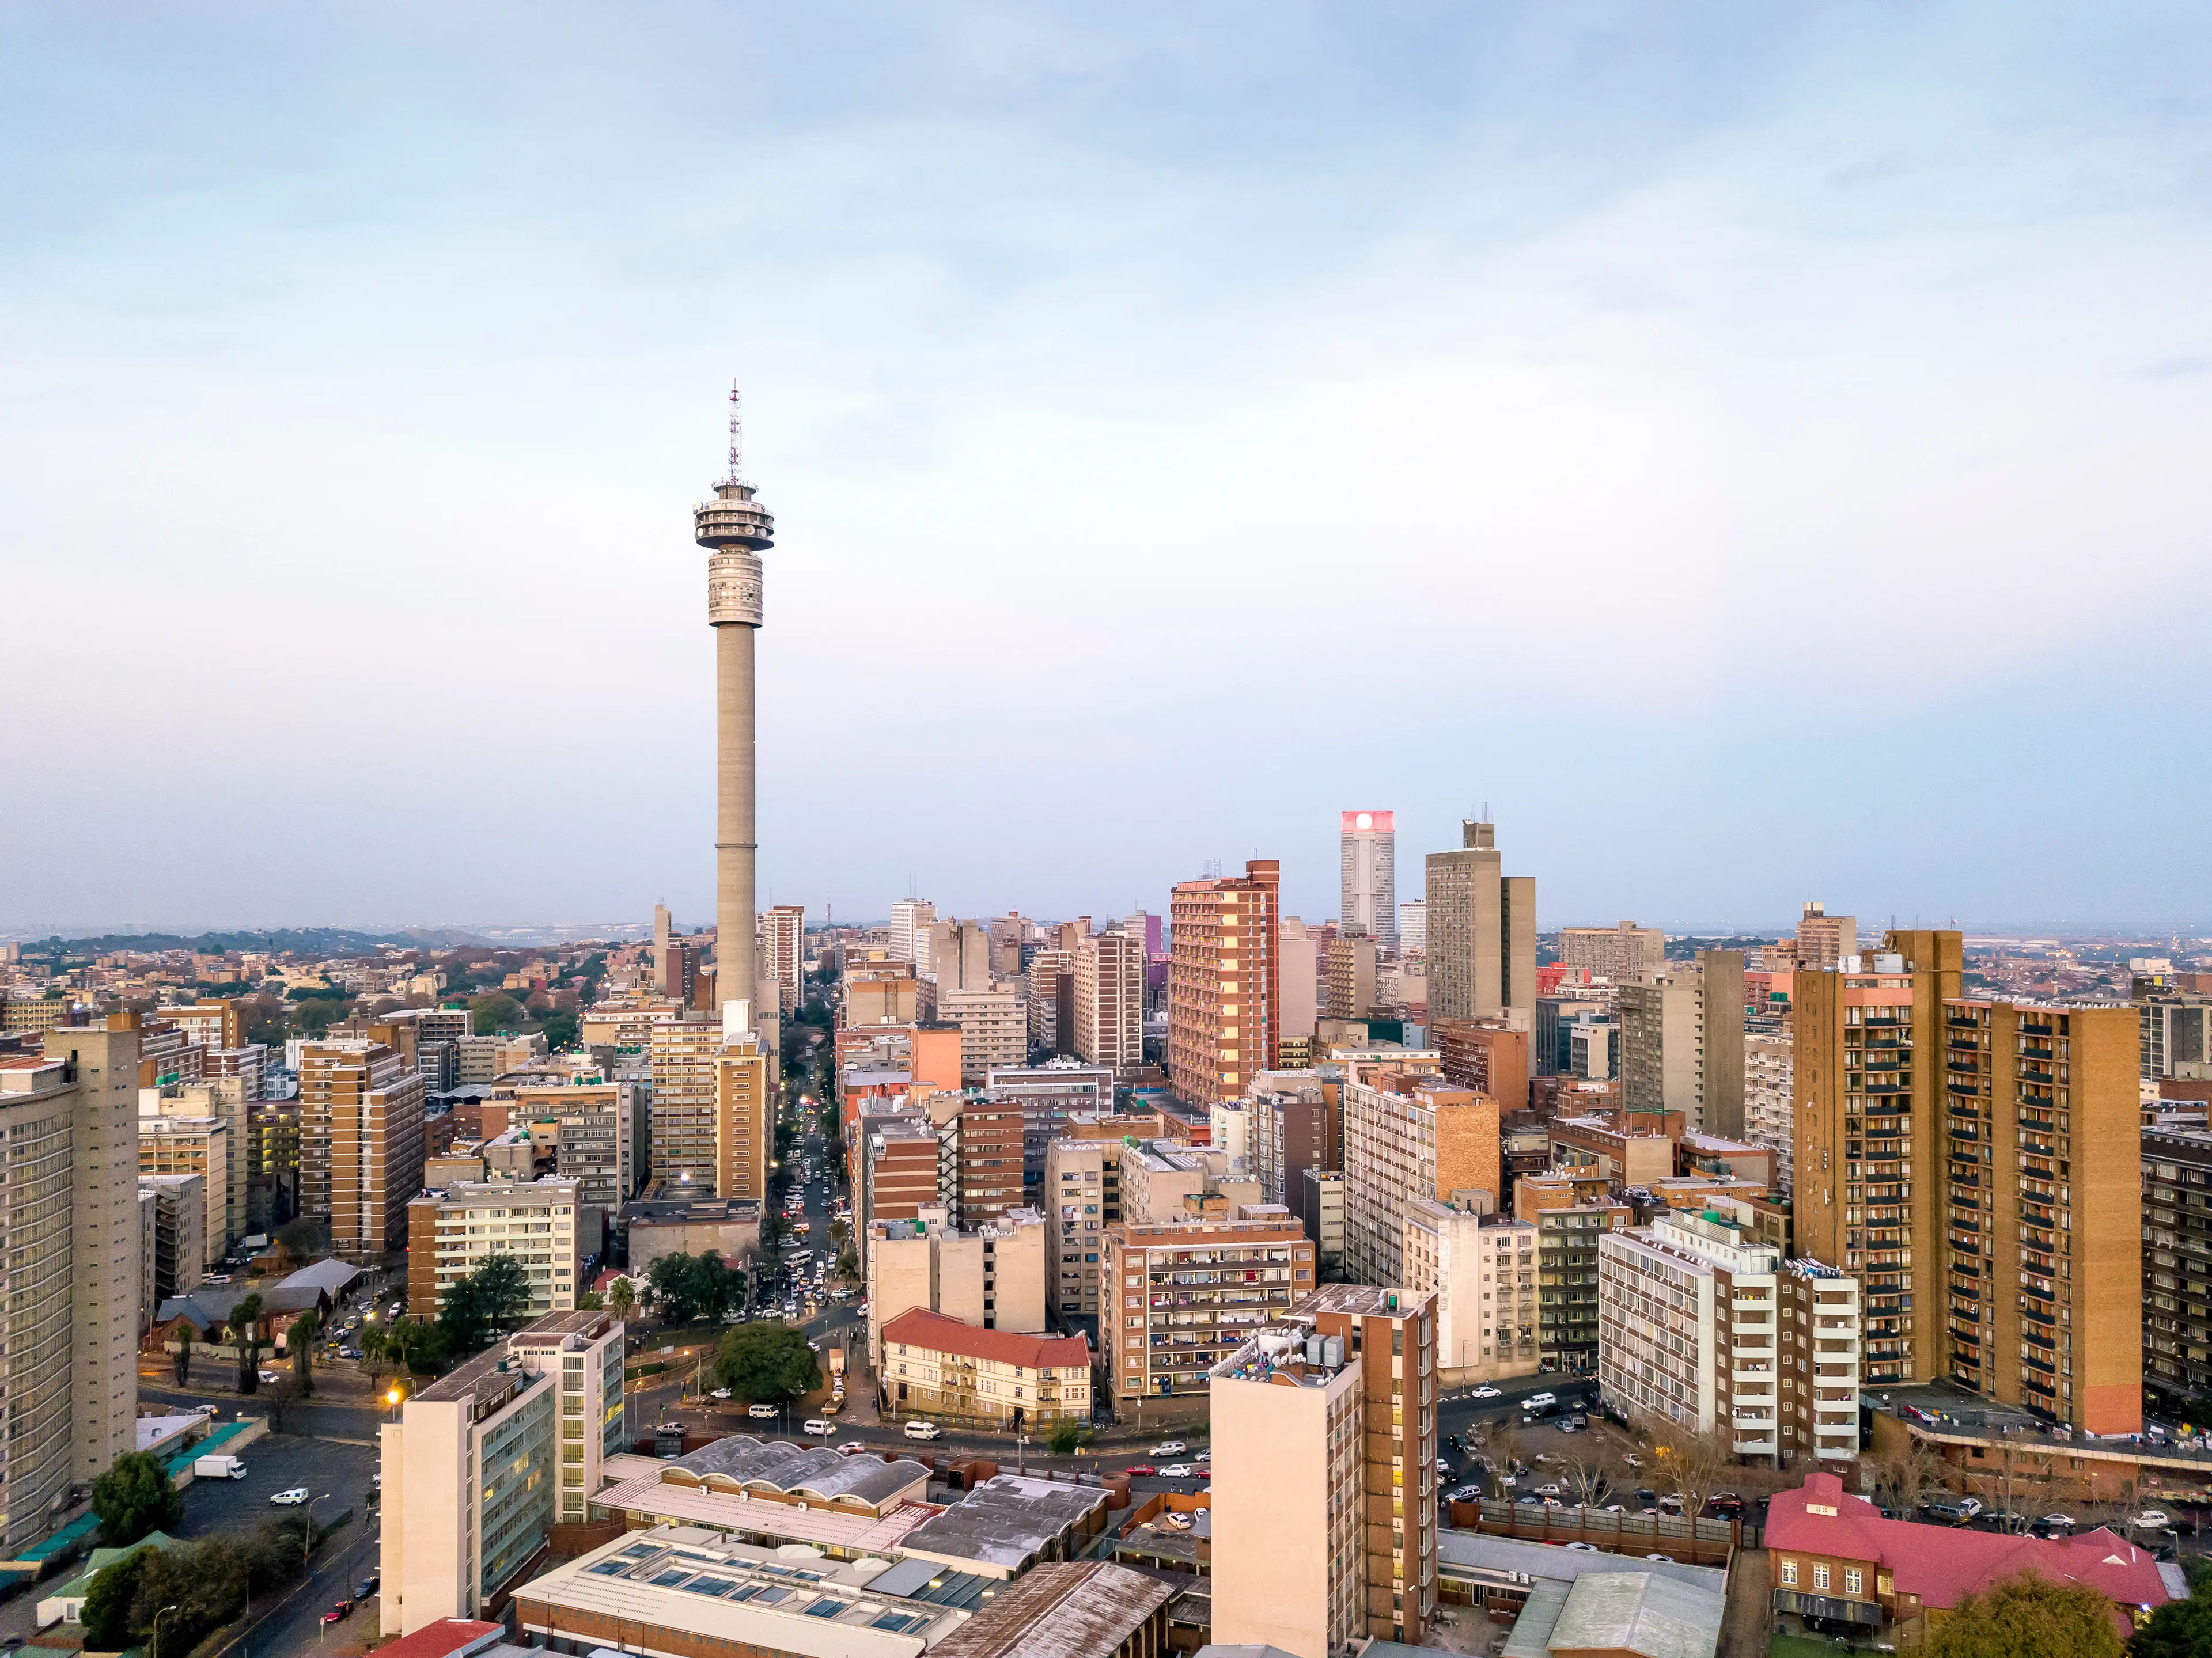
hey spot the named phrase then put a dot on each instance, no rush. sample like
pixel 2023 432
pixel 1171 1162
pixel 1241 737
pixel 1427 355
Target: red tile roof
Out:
pixel 1943 1564
pixel 919 1328
pixel 446 1638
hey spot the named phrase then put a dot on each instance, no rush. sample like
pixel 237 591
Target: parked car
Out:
pixel 923 1430
pixel 1547 1490
pixel 272 1376
pixel 336 1613
pixel 1465 1493
pixel 1177 1471
pixel 366 1586
pixel 1484 1390
pixel 1145 1468
pixel 1669 1558
pixel 1586 1548
pixel 1203 1455
pixel 2151 1519
pixel 761 1412
pixel 1169 1447
pixel 2056 1523
pixel 291 1499
pixel 1633 1460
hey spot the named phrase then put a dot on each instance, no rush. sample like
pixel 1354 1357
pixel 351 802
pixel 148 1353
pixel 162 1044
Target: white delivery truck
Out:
pixel 218 1468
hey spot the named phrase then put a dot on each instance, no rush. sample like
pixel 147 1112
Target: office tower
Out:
pixel 745 1121
pixel 1482 932
pixel 1825 940
pixel 738 529
pixel 1052 983
pixel 993 1028
pixel 1413 926
pixel 1351 976
pixel 663 924
pixel 451 1233
pixel 1623 954
pixel 1324 1487
pixel 1299 977
pixel 1406 1136
pixel 482 1462
pixel 1482 1268
pixel 681 1110
pixel 783 957
pixel 72 1270
pixel 200 1146
pixel 1702 1327
pixel 1225 984
pixel 2177 1262
pixel 1681 1043
pixel 360 1144
pixel 1178 1295
pixel 910 918
pixel 1368 894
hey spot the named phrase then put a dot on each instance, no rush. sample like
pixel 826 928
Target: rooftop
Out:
pixel 1072 1609
pixel 919 1328
pixel 741 1461
pixel 1005 1522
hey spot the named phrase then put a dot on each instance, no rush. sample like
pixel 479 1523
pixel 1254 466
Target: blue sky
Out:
pixel 1761 451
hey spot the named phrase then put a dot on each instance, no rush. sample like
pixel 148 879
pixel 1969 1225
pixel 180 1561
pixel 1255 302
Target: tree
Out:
pixel 560 1028
pixel 376 1342
pixel 300 1239
pixel 1905 1473
pixel 133 1497
pixel 204 1583
pixel 590 1301
pixel 1694 1465
pixel 488 1301
pixel 766 1363
pixel 1593 1470
pixel 2027 1617
pixel 622 1296
pixel 672 1281
pixel 183 1352
pixel 2180 1629
pixel 299 1342
pixel 495 1012
pixel 1067 1437
pixel 245 1331
pixel 107 1601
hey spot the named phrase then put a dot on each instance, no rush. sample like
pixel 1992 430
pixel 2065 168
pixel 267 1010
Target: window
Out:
pixel 1852 1580
pixel 1788 1571
pixel 1819 1577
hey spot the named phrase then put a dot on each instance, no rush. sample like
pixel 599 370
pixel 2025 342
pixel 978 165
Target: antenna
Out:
pixel 737 434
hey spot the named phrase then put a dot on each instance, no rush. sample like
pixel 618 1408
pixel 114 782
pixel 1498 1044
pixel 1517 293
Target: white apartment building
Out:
pixel 1076 1211
pixel 910 919
pixel 995 1029
pixel 1110 1001
pixel 1482 1270
pixel 485 1459
pixel 1690 1312
pixel 452 1233
pixel 1231 1122
pixel 1770 1117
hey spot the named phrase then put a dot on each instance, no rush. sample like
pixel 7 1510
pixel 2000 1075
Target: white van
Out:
pixel 1540 1401
pixel 922 1431
pixel 819 1427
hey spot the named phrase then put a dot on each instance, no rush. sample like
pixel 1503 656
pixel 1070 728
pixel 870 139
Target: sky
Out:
pixel 1759 451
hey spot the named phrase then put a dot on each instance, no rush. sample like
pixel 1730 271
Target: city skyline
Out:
pixel 1764 378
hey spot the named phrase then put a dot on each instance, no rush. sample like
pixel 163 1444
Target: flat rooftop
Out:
pixel 1005 1522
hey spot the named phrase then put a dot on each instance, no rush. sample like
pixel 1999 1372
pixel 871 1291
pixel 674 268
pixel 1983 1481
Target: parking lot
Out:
pixel 336 1474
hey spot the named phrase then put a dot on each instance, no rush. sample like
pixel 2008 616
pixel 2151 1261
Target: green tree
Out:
pixel 184 1359
pixel 766 1363
pixel 560 1027
pixel 107 1602
pixel 622 1296
pixel 204 1583
pixel 133 1497
pixel 245 1331
pixel 300 1341
pixel 673 1283
pixel 495 1012
pixel 2027 1617
pixel 590 1301
pixel 374 1343
pixel 1067 1437
pixel 488 1301
pixel 2180 1629
pixel 300 1239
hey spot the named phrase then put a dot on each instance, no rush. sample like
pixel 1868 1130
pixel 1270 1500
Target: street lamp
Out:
pixel 158 1617
pixel 392 1398
pixel 308 1537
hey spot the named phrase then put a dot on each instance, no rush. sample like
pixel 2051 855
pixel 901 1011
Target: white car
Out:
pixel 1585 1548
pixel 923 1430
pixel 292 1498
pixel 1206 1455
pixel 2151 1519
pixel 1178 1471
pixel 1169 1447
pixel 1547 1491
pixel 820 1427
pixel 271 1375
pixel 720 1393
pixel 1486 1391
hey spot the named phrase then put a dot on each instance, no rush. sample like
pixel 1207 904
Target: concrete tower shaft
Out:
pixel 737 528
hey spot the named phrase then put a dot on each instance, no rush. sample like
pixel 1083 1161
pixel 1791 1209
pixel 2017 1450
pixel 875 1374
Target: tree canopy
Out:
pixel 2027 1617
pixel 488 1302
pixel 767 1363
pixel 686 1288
pixel 133 1497
pixel 495 1010
pixel 2180 1629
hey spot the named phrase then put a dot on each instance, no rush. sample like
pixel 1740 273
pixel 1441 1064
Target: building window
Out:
pixel 1819 1577
pixel 1852 1580
pixel 1788 1571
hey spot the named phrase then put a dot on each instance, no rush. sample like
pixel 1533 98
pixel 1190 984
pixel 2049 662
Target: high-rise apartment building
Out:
pixel 180 1256
pixel 198 1146
pixel 594 1140
pixel 1487 1055
pixel 2174 1033
pixel 1409 1137
pixel 744 1119
pixel 993 1275
pixel 451 1233
pixel 681 1110
pixel 1291 1126
pixel 1769 1116
pixel 1369 898
pixel 1077 1212
pixel 1324 1465
pixel 213 1025
pixel 71 1199
pixel 1703 1325
pixel 1482 932
pixel 1623 954
pixel 1825 940
pixel 2177 1262
pixel 1481 1269
pixel 957 955
pixel 783 954
pixel 1225 984
pixel 1299 978
pixel 990 1159
pixel 229 1100
pixel 993 1028
pixel 1110 1001
pixel 1977 1165
pixel 1413 926
pixel 361 1143
pixel 1350 975
pixel 910 917
pixel 1571 1214
pixel 1681 1043
pixel 1176 1298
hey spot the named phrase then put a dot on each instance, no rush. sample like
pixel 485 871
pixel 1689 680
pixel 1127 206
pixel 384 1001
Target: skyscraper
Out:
pixel 1369 897
pixel 1110 1001
pixel 910 917
pixel 783 961
pixel 1482 932
pixel 738 528
pixel 1224 983
pixel 361 1143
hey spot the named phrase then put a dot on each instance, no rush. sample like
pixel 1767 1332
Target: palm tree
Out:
pixel 245 1331
pixel 622 1296
pixel 183 1352
pixel 301 1339
pixel 374 1344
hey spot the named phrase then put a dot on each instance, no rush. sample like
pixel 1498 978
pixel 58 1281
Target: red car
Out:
pixel 1139 1467
pixel 336 1613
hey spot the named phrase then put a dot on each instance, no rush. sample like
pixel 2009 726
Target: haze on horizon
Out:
pixel 1761 455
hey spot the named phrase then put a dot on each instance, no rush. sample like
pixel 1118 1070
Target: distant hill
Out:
pixel 305 941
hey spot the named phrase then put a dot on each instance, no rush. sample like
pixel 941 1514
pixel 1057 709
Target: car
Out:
pixel 1169 1447
pixel 1669 1558
pixel 1530 1500
pixel 819 1427
pixel 291 1499
pixel 336 1613
pixel 1574 1427
pixel 366 1586
pixel 2057 1522
pixel 1145 1468
pixel 1484 1390
pixel 1443 1469
pixel 720 1393
pixel 1671 1504
pixel 272 1376
pixel 1203 1455
pixel 1465 1493
pixel 918 1429
pixel 1546 1491
pixel 2151 1519
pixel 1586 1548
pixel 1176 1471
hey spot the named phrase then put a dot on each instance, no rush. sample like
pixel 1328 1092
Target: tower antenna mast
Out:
pixel 737 435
